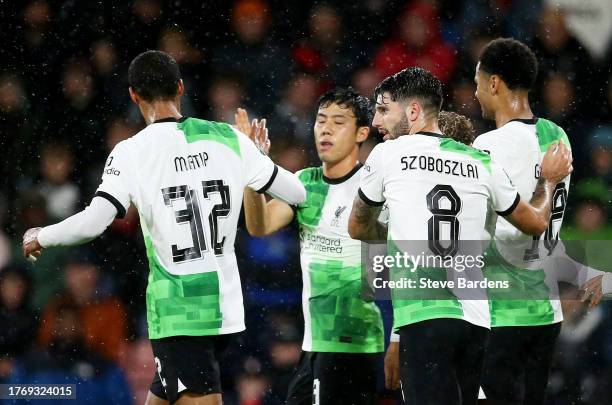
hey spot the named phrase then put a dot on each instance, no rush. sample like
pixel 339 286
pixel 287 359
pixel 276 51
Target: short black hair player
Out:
pixel 186 178
pixel 525 327
pixel 343 332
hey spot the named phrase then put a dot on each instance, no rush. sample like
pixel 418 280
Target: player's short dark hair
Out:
pixel 154 75
pixel 416 83
pixel 361 106
pixel 457 126
pixel 511 60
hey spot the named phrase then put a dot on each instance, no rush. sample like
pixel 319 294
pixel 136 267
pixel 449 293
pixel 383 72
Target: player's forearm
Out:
pixel 363 223
pixel 287 187
pixel 541 201
pixel 255 212
pixel 81 227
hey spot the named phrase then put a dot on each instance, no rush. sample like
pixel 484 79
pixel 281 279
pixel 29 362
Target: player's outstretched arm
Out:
pixel 594 284
pixel 263 218
pixel 75 230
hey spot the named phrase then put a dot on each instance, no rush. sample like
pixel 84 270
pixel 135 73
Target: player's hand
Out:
pixel 593 291
pixel 557 162
pixel 256 130
pixel 392 367
pixel 31 247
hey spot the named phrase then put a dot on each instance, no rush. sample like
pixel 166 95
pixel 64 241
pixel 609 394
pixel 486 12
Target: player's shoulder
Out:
pixel 549 132
pixel 452 146
pixel 310 175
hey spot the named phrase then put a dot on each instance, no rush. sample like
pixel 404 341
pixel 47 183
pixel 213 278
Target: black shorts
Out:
pixel 187 363
pixel 517 364
pixel 441 361
pixel 335 379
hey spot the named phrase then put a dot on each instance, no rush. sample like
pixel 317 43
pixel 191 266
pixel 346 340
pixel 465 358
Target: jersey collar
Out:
pixel 170 119
pixel 528 121
pixel 430 134
pixel 345 177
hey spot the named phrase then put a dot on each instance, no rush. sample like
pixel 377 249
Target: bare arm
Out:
pixel 263 218
pixel 363 222
pixel 532 218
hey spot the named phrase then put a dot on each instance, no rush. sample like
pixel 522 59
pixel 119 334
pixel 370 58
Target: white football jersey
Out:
pixel 437 191
pixel 519 147
pixel 186 178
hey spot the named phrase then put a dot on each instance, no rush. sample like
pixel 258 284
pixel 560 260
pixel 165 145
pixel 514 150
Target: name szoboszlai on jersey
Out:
pixel 186 178
pixel 437 191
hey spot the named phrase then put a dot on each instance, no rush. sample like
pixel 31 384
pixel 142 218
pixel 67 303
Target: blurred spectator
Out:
pixel 516 18
pixel 251 384
pixel 251 52
pixel 225 96
pixel 417 42
pixel 294 115
pixel 139 368
pixel 60 193
pixel 365 81
pixel 81 121
pixel 558 52
pixel 582 363
pixel 101 315
pixel 600 144
pixel 65 358
pixel 110 82
pixel 17 140
pixel 326 50
pixel 18 320
pixel 285 350
pixel 47 274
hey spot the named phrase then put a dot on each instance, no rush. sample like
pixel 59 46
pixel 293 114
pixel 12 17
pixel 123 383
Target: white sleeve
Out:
pixel 117 177
pixel 504 196
pixel 371 186
pixel 395 337
pixel 263 176
pixel 570 271
pixel 81 227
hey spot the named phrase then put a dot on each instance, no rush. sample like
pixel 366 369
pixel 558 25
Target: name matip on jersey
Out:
pixel 519 147
pixel 336 316
pixel 186 178
pixel 439 192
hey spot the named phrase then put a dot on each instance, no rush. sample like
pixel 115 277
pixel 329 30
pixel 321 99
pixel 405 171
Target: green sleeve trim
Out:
pixel 549 132
pixel 309 212
pixel 202 130
pixel 450 145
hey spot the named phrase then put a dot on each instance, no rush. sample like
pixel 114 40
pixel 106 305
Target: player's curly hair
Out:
pixel 511 60
pixel 361 106
pixel 457 126
pixel 411 83
pixel 154 75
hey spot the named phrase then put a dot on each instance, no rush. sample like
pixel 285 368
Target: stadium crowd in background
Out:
pixel 64 105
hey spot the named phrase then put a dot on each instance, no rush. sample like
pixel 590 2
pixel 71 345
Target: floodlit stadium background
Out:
pixel 64 105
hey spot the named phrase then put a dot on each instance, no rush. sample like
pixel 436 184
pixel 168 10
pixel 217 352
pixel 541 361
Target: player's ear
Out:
pixel 494 83
pixel 180 88
pixel 413 111
pixel 362 134
pixel 133 95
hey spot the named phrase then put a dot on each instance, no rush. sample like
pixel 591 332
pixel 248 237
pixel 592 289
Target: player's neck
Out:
pixel 427 126
pixel 513 107
pixel 340 169
pixel 158 110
